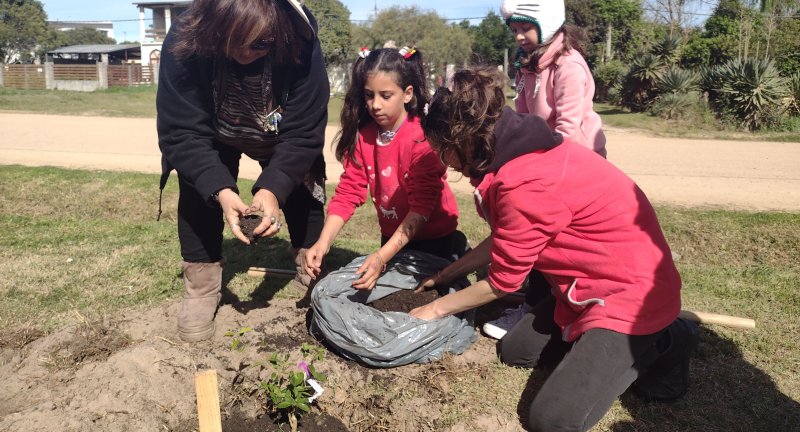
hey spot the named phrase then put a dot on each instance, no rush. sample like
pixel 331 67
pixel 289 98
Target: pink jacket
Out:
pixel 562 94
pixel 404 175
pixel 582 222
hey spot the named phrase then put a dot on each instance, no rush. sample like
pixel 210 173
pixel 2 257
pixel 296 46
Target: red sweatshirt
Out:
pixel 403 175
pixel 574 216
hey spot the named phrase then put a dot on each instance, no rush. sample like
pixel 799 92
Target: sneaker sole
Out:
pixel 493 331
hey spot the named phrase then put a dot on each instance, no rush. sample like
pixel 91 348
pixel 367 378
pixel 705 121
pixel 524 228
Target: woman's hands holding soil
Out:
pixel 266 203
pixel 370 270
pixel 233 208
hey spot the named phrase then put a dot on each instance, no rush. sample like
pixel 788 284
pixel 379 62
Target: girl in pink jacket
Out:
pixel 553 81
pixel 610 319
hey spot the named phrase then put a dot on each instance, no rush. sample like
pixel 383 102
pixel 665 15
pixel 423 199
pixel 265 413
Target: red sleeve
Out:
pixel 526 218
pixel 351 192
pixel 425 184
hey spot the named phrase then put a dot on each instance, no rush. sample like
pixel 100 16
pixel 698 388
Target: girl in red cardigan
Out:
pixel 562 209
pixel 383 150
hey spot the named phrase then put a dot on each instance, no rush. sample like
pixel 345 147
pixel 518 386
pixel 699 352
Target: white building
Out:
pixel 152 36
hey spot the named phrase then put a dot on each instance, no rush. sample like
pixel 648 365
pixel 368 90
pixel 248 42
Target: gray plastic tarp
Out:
pixel 360 332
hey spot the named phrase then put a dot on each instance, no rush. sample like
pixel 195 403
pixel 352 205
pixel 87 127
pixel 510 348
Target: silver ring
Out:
pixel 272 219
pixel 278 225
pixel 234 225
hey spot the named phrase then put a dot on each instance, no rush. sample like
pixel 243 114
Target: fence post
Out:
pixel 2 68
pixel 102 75
pixel 49 76
pixel 25 76
pixel 130 75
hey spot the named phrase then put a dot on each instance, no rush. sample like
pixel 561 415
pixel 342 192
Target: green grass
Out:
pixel 88 241
pixel 114 102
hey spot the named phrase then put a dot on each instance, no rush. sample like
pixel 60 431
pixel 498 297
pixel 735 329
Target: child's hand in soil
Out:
pixel 233 208
pixel 313 261
pixel 427 312
pixel 370 270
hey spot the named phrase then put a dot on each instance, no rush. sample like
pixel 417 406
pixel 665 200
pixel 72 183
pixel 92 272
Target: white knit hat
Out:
pixel 547 15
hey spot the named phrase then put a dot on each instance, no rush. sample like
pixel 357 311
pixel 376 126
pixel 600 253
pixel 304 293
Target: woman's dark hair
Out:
pixel 406 71
pixel 574 39
pixel 462 120
pixel 215 28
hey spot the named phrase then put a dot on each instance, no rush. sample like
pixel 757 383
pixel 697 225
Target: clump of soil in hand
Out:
pixel 404 300
pixel 248 224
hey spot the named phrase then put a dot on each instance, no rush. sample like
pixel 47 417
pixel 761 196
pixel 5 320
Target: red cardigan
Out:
pixel 404 175
pixel 572 215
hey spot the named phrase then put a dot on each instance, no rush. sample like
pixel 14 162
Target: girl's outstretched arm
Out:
pixel 475 295
pixel 315 254
pixel 374 265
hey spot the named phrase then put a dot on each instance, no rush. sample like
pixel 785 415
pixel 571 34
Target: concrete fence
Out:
pixel 76 77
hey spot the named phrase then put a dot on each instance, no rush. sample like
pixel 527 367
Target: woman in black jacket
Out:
pixel 240 76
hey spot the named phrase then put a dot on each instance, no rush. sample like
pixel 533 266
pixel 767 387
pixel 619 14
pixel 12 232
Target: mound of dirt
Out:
pixel 404 300
pixel 248 224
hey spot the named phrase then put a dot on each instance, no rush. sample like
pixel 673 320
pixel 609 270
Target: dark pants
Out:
pixel 200 226
pixel 590 373
pixel 450 247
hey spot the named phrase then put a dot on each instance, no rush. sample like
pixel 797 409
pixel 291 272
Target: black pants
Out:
pixel 200 226
pixel 450 247
pixel 590 373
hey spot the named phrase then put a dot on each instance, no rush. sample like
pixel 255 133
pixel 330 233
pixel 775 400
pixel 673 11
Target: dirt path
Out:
pixel 697 173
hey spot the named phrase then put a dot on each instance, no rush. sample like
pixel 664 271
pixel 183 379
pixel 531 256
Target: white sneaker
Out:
pixel 498 328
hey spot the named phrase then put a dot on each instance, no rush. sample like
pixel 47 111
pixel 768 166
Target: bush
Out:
pixel 606 77
pixel 681 106
pixel 794 94
pixel 751 90
pixel 677 80
pixel 640 85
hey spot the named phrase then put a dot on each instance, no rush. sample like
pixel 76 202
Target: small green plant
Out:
pixel 291 387
pixel 237 344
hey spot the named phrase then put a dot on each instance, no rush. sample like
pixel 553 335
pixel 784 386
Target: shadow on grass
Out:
pixel 726 394
pixel 271 253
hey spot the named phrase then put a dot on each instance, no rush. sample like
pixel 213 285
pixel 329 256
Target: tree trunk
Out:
pixel 608 57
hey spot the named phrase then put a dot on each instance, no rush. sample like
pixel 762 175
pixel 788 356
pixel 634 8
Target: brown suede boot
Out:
pixel 203 283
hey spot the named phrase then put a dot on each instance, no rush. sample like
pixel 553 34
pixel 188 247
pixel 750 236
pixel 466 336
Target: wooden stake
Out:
pixel 205 383
pixel 711 318
pixel 264 272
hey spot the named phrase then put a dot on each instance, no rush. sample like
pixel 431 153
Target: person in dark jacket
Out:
pixel 241 77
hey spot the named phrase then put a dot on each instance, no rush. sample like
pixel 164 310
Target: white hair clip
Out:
pixel 363 52
pixel 426 108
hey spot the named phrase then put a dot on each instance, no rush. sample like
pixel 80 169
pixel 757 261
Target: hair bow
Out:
pixel 407 52
pixel 363 52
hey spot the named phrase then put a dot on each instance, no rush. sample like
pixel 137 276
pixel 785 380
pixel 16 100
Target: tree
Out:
pixel 491 40
pixel 439 42
pixel 23 24
pixel 615 16
pixel 334 29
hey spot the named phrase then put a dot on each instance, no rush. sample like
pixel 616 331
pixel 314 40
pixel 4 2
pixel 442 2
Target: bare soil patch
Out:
pixel 248 224
pixel 134 374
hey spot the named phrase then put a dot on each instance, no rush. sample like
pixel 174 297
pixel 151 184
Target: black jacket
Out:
pixel 185 111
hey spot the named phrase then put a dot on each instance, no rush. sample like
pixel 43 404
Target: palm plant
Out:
pixel 752 90
pixel 668 50
pixel 640 85
pixel 677 80
pixel 794 94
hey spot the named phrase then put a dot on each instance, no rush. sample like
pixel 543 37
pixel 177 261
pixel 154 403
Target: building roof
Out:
pixel 93 49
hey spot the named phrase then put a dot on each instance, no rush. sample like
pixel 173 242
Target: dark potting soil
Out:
pixel 311 422
pixel 248 224
pixel 404 300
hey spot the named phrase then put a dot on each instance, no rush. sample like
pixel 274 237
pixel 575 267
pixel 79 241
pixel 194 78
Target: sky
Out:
pixel 125 15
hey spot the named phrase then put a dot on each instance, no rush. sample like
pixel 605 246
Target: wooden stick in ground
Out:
pixel 264 272
pixel 711 318
pixel 205 383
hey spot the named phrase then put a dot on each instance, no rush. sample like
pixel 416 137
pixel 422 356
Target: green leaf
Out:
pixel 283 405
pixel 303 407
